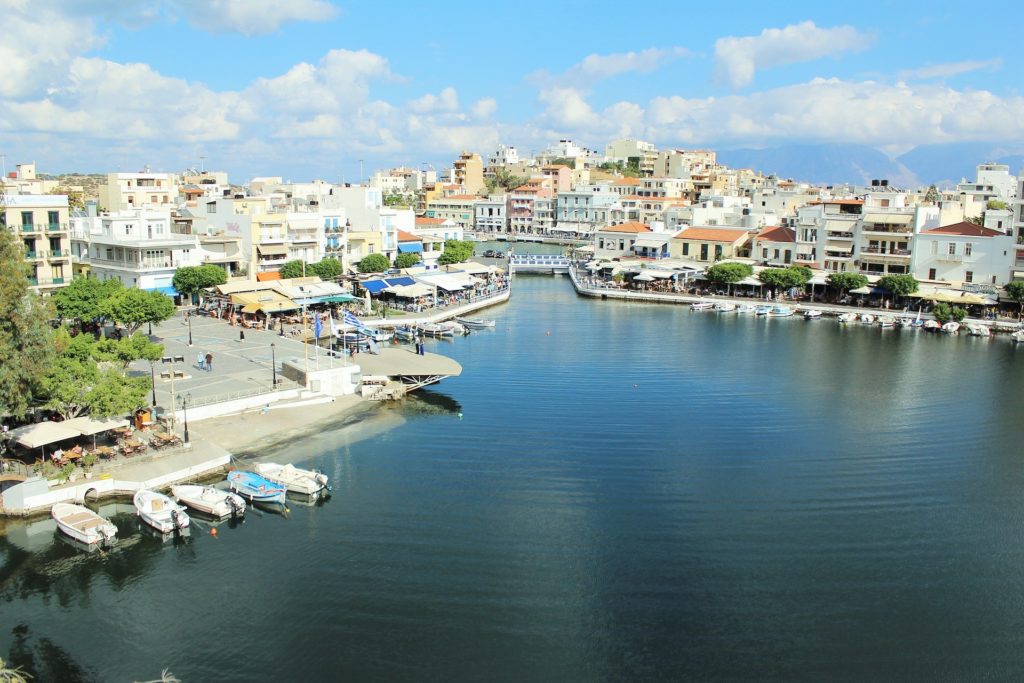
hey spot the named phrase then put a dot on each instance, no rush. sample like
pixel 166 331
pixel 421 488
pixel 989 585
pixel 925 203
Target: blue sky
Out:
pixel 307 88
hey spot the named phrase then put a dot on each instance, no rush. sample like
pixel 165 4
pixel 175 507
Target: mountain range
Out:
pixel 834 163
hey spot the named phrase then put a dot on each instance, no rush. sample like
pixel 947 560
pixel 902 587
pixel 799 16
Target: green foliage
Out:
pixel 191 279
pixel 133 307
pixel 397 199
pixel 728 273
pixel 326 269
pixel 290 269
pixel 504 181
pixel 564 161
pixel 1015 290
pixel 76 199
pixel 995 204
pixel 373 263
pixel 81 299
pixel 128 349
pixel 899 285
pixel 26 346
pixel 932 195
pixel 959 314
pixel 88 461
pixel 456 251
pixel 844 282
pixel 785 278
pixel 407 260
pixel 977 220
pixel 944 312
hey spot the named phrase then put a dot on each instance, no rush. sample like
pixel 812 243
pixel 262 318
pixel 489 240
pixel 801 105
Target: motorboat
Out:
pixel 979 330
pixel 886 321
pixel 911 323
pixel 255 488
pixel 296 480
pixel 1017 337
pixel 867 318
pixel 159 511
pixel 812 314
pixel 474 323
pixel 952 327
pixel 435 330
pixel 932 325
pixel 762 310
pixel 702 306
pixel 210 501
pixel 725 307
pixel 374 334
pixel 405 333
pixel 781 311
pixel 82 524
pixel 847 317
pixel 745 308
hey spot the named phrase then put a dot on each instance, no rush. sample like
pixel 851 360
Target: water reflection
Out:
pixel 45 660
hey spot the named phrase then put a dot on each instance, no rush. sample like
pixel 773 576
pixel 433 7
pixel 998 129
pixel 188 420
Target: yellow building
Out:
pixel 708 244
pixel 40 222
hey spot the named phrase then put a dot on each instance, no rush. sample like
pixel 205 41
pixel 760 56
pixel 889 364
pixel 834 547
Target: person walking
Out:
pixel 241 336
pixel 209 362
pixel 200 360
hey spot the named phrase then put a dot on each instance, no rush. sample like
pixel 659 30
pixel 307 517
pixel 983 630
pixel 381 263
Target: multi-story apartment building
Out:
pixel 544 222
pixel 522 205
pixel 580 212
pixel 40 222
pixel 505 155
pixel 460 208
pixel 680 163
pixel 964 253
pixel 137 190
pixel 643 155
pixel 491 214
pixel 468 172
pixel 708 245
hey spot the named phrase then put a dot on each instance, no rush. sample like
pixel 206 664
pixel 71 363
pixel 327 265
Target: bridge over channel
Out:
pixel 538 263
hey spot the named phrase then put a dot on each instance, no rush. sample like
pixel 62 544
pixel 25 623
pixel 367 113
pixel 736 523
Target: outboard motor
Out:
pixel 236 508
pixel 176 520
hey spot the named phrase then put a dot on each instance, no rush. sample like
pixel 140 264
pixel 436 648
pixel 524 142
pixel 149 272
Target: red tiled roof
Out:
pixel 627 227
pixel 711 234
pixel 404 236
pixel 965 228
pixel 626 181
pixel 426 220
pixel 269 275
pixel 459 197
pixel 777 233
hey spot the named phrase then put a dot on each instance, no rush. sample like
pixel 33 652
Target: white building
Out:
pixel 581 212
pixel 992 181
pixel 491 214
pixel 138 190
pixel 964 253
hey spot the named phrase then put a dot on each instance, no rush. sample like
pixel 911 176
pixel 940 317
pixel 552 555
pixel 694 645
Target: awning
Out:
pixel 88 426
pixel 651 241
pixel 891 218
pixel 450 282
pixel 410 247
pixel 868 289
pixel 272 249
pixel 374 286
pixel 168 290
pixel 267 300
pixel 251 308
pixel 42 433
pixel 658 274
pixel 339 299
pixel 643 277
pixel 399 281
pixel 412 291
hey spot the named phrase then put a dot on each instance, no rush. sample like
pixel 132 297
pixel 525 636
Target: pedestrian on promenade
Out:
pixel 209 362
pixel 200 360
pixel 241 335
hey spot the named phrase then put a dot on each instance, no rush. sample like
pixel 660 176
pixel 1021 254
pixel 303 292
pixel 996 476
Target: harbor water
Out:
pixel 610 491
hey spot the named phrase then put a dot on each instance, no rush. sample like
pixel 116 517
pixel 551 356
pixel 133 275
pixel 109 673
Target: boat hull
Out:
pixel 160 512
pixel 82 524
pixel 210 501
pixel 255 488
pixel 295 480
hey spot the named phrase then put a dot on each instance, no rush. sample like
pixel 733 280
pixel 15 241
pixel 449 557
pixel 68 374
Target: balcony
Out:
pixel 887 229
pixel 838 235
pixel 878 251
pixel 838 254
pixel 27 228
pixel 33 255
pixel 60 254
pixel 950 258
pixel 54 227
pixel 57 281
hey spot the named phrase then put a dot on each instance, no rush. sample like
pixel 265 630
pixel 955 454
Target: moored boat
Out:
pixel 780 311
pixel 847 317
pixel 296 480
pixel 725 307
pixel 762 310
pixel 886 321
pixel 812 314
pixel 159 511
pixel 405 333
pixel 82 524
pixel 932 325
pixel 1017 337
pixel 866 318
pixel 255 488
pixel 952 327
pixel 434 330
pixel 702 306
pixel 746 308
pixel 210 501
pixel 979 330
pixel 474 323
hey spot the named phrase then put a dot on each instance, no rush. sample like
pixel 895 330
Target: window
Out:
pixel 53 217
pixel 951 248
pixel 935 248
pixel 967 249
pixel 26 218
pixel 968 276
pixel 764 253
pixel 931 273
pixel 686 248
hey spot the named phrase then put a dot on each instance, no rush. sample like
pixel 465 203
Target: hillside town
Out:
pixel 632 200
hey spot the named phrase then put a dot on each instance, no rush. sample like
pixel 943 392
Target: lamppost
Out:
pixel 280 321
pixel 184 413
pixel 170 361
pixel 190 331
pixel 273 363
pixel 152 376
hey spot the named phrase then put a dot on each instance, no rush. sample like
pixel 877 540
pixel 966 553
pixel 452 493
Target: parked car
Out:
pixel 499 254
pixel 489 253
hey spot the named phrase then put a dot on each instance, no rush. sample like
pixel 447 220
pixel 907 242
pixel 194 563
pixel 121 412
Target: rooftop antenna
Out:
pixel 202 164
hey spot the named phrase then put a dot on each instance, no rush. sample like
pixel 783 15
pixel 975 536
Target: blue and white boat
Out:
pixel 405 333
pixel 780 311
pixel 762 310
pixel 256 488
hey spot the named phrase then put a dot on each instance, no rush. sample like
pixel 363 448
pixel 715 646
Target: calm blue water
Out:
pixel 632 492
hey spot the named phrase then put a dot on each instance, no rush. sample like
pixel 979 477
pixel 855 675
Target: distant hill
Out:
pixel 823 164
pixel 946 164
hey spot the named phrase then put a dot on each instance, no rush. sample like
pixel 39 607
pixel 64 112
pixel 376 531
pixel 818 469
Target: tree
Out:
pixel 373 263
pixel 977 220
pixel 327 269
pixel 932 195
pixel 844 282
pixel 76 199
pixel 504 181
pixel 81 299
pixel 26 346
pixel 1015 290
pixel 563 161
pixel 899 286
pixel 290 269
pixel 785 278
pixel 728 273
pixel 189 280
pixel 995 204
pixel 128 349
pixel 456 251
pixel 944 312
pixel 407 260
pixel 133 307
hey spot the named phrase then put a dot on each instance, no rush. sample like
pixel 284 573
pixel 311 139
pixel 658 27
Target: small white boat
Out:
pixel 746 308
pixel 952 327
pixel 159 511
pixel 82 524
pixel 932 325
pixel 210 501
pixel 1017 337
pixel 701 306
pixel 762 310
pixel 887 321
pixel 296 480
pixel 867 318
pixel 725 307
pixel 780 311
pixel 435 330
pixel 847 317
pixel 979 330
pixel 474 323
pixel 812 314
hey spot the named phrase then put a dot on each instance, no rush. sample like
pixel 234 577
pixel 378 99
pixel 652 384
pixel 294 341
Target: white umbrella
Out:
pixel 643 278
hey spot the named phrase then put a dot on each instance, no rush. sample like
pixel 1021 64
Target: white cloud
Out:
pixel 484 108
pixel 737 59
pixel 251 17
pixel 595 68
pixel 950 69
pixel 446 101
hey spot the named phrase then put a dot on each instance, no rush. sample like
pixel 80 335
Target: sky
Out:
pixel 325 89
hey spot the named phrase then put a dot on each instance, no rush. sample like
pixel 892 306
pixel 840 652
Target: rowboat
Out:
pixel 159 511
pixel 210 501
pixel 847 317
pixel 725 307
pixel 952 327
pixel 979 330
pixel 82 524
pixel 746 308
pixel 886 320
pixel 296 480
pixel 780 311
pixel 867 318
pixel 405 333
pixel 763 309
pixel 812 314
pixel 701 306
pixel 474 323
pixel 255 488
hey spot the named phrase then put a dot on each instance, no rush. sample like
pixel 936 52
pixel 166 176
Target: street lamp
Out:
pixel 280 321
pixel 184 413
pixel 152 376
pixel 190 331
pixel 273 363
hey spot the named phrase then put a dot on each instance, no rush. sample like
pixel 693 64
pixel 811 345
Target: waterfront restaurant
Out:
pixel 708 245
